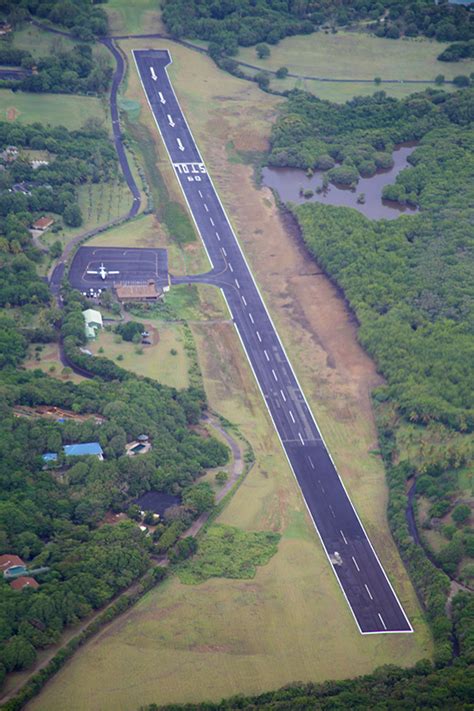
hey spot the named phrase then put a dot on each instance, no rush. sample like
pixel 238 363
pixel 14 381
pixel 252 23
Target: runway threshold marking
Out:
pixel 382 620
pixel 368 591
pixel 355 563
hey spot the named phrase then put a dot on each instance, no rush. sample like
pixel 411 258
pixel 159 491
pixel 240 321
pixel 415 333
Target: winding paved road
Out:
pixel 363 581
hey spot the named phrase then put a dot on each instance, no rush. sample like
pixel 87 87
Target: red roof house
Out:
pixel 8 561
pixel 24 582
pixel 43 223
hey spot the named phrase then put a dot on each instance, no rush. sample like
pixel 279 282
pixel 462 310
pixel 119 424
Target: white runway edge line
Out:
pixel 410 630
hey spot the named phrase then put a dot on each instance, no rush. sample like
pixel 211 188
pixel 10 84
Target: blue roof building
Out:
pixel 84 449
pixel 50 457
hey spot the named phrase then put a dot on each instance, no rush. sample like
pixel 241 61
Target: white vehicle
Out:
pixel 102 271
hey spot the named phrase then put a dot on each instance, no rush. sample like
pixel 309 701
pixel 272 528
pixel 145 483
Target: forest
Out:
pixel 75 157
pixel 75 71
pixel 357 138
pixel 83 18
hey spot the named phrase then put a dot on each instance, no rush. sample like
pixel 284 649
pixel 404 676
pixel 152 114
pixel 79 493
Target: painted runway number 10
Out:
pixel 192 170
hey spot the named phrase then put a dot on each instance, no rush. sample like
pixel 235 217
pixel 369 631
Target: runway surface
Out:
pixel 367 590
pixel 132 266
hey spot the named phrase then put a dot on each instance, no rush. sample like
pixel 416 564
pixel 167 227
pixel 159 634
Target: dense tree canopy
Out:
pixel 82 17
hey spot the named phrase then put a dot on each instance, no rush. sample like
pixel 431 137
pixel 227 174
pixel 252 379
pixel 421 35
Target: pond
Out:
pixel 289 181
pixel 156 501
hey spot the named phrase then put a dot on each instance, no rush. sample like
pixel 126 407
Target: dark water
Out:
pixel 156 501
pixel 288 181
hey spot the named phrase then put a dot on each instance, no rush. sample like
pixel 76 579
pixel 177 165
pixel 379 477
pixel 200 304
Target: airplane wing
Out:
pixel 109 272
pixel 91 271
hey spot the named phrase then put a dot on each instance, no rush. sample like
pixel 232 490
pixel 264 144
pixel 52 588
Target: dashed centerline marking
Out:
pixel 382 621
pixel 355 563
pixel 224 252
pixel 258 336
pixel 266 355
pixel 237 284
pixel 251 318
pixel 301 438
pixel 212 221
pixel 368 591
pixel 231 267
pixel 332 511
pixel 274 374
pixel 311 462
pixel 343 536
pixel 206 207
pixel 292 417
pixel 218 238
pixel 283 395
pixel 200 193
pixel 244 300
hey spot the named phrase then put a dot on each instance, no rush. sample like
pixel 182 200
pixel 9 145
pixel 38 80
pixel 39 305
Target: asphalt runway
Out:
pixel 133 266
pixel 363 581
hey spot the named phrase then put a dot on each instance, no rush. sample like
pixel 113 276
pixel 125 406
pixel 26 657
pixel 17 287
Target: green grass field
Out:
pixel 54 109
pixel 134 17
pixel 350 55
pixel 155 361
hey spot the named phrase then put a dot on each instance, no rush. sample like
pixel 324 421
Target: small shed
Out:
pixel 85 449
pixel 93 321
pixel 43 224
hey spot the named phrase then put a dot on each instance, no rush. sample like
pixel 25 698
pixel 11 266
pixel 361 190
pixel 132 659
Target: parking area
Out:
pixel 104 267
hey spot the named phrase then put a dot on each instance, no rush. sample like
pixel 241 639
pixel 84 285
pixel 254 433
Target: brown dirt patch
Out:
pixel 12 113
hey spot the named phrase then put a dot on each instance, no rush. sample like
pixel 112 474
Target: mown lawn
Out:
pixel 353 55
pixel 166 360
pixel 135 17
pixel 55 109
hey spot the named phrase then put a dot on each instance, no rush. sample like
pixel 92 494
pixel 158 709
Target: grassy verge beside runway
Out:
pixel 290 622
pixel 355 55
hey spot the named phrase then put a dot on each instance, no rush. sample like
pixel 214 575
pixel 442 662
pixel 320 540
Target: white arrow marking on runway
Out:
pixel 180 144
pixel 368 592
pixel 381 620
pixel 162 98
pixel 292 417
pixel 171 122
pixel 345 541
pixel 355 563
pixel 283 395
pixel 153 75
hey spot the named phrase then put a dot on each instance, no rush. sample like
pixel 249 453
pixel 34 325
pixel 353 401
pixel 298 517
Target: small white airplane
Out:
pixel 102 271
pixel 153 75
